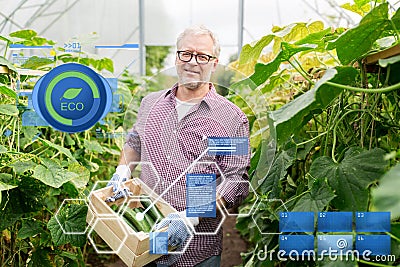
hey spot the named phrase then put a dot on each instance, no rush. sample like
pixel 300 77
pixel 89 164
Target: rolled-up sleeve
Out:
pixel 133 140
pixel 133 137
pixel 235 187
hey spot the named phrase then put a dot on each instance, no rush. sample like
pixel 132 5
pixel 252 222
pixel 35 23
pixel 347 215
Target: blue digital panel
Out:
pixel 301 244
pixel 228 146
pixel 334 244
pixel 296 222
pixel 158 242
pixel 21 46
pixel 335 221
pixel 200 195
pixel 376 244
pixel 373 221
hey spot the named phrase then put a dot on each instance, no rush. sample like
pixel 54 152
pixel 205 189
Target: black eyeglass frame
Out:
pixel 195 56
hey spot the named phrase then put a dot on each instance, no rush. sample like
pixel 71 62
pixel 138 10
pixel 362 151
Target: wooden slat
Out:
pixel 3 69
pixel 135 250
pixel 373 59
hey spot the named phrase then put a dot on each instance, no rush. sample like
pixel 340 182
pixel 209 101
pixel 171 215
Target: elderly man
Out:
pixel 172 131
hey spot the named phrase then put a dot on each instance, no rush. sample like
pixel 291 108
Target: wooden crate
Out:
pixel 134 250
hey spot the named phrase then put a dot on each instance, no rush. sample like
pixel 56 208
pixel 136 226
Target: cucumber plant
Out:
pixel 335 121
pixel 41 167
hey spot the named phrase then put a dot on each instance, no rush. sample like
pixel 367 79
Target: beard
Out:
pixel 192 85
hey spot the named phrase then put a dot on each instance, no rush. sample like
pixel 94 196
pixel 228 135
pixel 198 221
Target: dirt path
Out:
pixel 233 244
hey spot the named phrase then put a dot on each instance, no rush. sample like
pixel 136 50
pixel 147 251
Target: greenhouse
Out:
pixel 199 133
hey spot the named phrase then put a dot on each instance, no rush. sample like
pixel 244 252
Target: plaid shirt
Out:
pixel 172 146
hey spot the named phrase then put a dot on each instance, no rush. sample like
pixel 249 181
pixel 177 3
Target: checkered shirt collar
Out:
pixel 210 99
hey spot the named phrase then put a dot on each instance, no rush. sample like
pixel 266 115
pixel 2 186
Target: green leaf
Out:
pixel 274 82
pixel 83 175
pixel 71 218
pixel 3 149
pixel 317 198
pixel 384 62
pixel 93 146
pixel 29 228
pixel 111 151
pixel 40 258
pixel 52 174
pixel 30 135
pixel 36 62
pixel 69 255
pixel 360 3
pixel 105 63
pixel 7 109
pixel 292 116
pixel 270 181
pixel 6 178
pixel 4 186
pixel 395 230
pixel 314 38
pixel 32 193
pixel 92 166
pixel 326 262
pixel 68 140
pixel 71 93
pixel 263 71
pixel 386 196
pixel 70 190
pixel 22 166
pixel 5 90
pixel 351 177
pixel 24 34
pixel 396 19
pixel 357 41
pixel 250 54
pixel 11 208
pixel 377 14
pixel 8 64
pixel 59 148
pixel 360 10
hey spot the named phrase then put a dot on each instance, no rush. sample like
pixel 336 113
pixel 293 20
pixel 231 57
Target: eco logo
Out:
pixel 72 97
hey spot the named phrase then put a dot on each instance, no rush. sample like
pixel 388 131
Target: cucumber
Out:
pixel 148 218
pixel 153 211
pixel 114 207
pixel 130 224
pixel 130 215
pixel 146 226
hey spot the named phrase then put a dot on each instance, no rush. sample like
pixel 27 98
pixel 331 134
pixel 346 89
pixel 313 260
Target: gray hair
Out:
pixel 199 30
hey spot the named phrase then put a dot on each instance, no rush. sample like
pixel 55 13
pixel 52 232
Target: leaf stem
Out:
pixel 312 139
pixel 302 73
pixel 294 198
pixel 365 90
pixel 333 57
pixel 334 131
pixel 395 29
pixel 393 236
pixel 80 257
pixel 5 51
pixel 373 263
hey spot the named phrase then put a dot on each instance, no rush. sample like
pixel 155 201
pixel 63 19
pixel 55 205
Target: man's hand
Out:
pixel 122 173
pixel 179 227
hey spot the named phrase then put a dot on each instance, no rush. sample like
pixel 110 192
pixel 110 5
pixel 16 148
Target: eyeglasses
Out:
pixel 186 56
